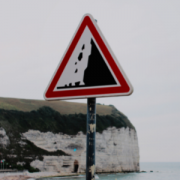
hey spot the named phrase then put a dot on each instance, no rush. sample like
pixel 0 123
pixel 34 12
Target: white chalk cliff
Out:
pixel 4 139
pixel 116 151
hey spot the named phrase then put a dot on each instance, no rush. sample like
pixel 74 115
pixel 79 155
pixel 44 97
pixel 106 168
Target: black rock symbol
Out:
pixel 77 83
pixel 80 56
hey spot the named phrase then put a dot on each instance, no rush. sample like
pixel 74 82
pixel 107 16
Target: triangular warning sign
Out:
pixel 88 68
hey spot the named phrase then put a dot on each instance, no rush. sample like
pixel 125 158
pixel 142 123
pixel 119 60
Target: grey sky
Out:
pixel 144 36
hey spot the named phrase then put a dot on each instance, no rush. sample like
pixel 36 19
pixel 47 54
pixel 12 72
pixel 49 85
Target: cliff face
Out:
pixel 116 151
pixel 51 139
pixel 4 139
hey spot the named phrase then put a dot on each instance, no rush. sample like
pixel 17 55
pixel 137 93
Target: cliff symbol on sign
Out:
pixel 86 66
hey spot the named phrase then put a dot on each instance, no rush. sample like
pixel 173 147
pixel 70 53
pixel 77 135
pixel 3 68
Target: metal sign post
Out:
pixel 91 137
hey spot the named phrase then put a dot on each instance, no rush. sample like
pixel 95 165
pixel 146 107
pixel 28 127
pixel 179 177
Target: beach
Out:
pixel 26 175
pixel 21 177
pixel 155 171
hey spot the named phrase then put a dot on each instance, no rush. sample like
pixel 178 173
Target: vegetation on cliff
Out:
pixel 46 119
pixel 63 107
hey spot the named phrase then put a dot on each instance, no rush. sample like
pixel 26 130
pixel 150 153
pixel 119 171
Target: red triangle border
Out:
pixel 124 89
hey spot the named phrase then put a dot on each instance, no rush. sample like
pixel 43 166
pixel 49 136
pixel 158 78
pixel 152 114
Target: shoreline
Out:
pixel 26 175
pixel 37 175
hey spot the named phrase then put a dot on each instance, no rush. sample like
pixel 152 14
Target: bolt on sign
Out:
pixel 88 68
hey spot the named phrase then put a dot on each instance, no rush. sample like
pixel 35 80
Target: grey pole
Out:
pixel 91 137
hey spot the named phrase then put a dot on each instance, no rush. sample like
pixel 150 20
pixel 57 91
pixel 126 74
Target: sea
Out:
pixel 152 171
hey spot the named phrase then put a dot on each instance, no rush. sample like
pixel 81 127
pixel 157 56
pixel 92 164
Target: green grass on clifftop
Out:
pixel 46 119
pixel 62 107
pixel 56 116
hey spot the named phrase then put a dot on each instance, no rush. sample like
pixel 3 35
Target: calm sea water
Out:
pixel 161 171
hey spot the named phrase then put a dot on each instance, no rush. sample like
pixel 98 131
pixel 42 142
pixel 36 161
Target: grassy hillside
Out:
pixel 46 119
pixel 17 109
pixel 62 107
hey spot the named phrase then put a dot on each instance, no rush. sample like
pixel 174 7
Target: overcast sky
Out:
pixel 144 36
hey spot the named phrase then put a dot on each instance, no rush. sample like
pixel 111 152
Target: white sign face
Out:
pixel 75 74
pixel 88 68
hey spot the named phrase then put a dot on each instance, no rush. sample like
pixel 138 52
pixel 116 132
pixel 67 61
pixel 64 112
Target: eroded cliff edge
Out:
pixel 50 139
pixel 116 150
